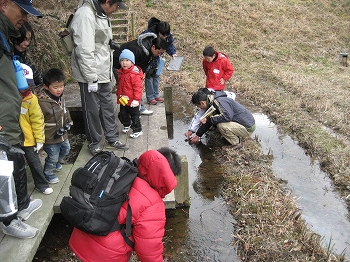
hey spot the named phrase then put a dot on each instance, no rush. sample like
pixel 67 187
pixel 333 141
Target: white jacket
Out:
pixel 91 58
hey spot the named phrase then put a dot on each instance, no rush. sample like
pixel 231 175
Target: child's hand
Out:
pixel 203 120
pixel 38 147
pixel 188 134
pixel 134 103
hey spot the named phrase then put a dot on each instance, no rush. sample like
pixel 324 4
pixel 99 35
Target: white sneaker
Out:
pixel 126 129
pixel 146 112
pixel 135 134
pixel 45 191
pixel 19 229
pixel 34 205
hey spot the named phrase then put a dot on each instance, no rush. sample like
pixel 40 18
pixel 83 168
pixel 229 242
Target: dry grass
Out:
pixel 285 54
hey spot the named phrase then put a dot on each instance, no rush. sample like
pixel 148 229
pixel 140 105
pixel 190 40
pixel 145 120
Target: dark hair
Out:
pixel 53 75
pixel 205 90
pixel 26 27
pixel 209 51
pixel 173 159
pixel 160 43
pixel 111 2
pixel 163 28
pixel 198 96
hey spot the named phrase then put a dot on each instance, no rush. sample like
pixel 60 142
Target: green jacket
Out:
pixel 10 98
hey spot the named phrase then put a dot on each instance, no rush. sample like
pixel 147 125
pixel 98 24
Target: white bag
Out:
pixel 8 197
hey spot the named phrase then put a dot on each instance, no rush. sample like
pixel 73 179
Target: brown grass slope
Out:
pixel 286 57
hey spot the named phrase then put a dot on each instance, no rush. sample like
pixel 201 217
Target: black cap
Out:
pixel 121 4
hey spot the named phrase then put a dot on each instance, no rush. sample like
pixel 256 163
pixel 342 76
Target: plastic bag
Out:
pixel 8 197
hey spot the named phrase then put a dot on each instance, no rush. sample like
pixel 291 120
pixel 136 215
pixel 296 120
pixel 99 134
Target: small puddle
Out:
pixel 204 231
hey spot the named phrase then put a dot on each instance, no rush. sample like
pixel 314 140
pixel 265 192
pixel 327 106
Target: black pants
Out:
pixel 130 116
pixel 35 166
pixel 20 177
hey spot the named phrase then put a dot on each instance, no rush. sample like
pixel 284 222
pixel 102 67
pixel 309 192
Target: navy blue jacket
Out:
pixel 227 110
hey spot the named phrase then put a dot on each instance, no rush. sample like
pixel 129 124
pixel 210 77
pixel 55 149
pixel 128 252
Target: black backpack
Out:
pixel 97 192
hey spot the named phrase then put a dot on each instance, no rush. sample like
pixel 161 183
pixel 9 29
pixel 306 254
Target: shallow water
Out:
pixel 206 233
pixel 322 208
pixel 206 227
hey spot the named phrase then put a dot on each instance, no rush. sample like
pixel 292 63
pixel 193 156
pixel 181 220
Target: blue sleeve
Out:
pixel 171 48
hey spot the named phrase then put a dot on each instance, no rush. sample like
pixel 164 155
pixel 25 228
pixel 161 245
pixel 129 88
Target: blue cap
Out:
pixel 127 54
pixel 27 5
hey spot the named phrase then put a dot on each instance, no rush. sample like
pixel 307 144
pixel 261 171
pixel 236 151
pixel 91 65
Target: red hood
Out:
pixel 154 167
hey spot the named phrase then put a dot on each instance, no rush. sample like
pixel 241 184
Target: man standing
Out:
pixel 12 16
pixel 92 67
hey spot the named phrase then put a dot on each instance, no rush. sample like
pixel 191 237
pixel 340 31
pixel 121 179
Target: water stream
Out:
pixel 322 208
pixel 204 231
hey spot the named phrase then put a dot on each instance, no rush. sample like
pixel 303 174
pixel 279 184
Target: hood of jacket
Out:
pixel 155 169
pixel 99 11
pixel 145 41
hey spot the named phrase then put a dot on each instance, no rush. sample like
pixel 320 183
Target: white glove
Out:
pixel 38 147
pixel 93 87
pixel 134 103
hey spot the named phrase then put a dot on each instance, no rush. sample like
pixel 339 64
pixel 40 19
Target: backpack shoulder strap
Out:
pixel 4 47
pixel 125 229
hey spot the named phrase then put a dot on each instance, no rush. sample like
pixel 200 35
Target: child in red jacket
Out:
pixel 157 169
pixel 217 68
pixel 129 93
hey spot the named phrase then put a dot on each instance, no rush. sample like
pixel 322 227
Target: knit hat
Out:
pixel 28 73
pixel 127 54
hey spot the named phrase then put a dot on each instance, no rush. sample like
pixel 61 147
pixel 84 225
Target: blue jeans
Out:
pixel 55 154
pixel 152 88
pixel 142 107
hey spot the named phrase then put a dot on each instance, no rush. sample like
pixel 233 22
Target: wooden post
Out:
pixel 133 25
pixel 168 99
pixel 182 197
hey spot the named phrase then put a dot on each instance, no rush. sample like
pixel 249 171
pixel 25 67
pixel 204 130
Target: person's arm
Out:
pixel 228 69
pixel 148 233
pixel 37 120
pixel 137 85
pixel 205 67
pixel 226 113
pixel 171 48
pixel 195 123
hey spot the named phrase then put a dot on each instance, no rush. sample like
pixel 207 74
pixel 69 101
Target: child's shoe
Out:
pixel 126 129
pixel 135 134
pixel 45 190
pixel 58 167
